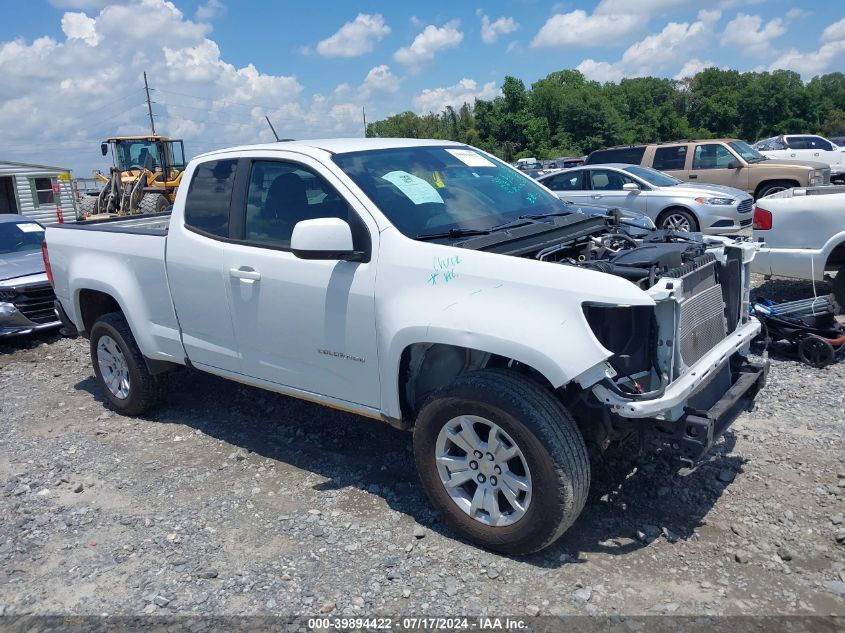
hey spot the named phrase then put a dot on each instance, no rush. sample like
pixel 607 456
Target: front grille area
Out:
pixel 826 176
pixel 744 206
pixel 745 223
pixel 35 302
pixel 702 324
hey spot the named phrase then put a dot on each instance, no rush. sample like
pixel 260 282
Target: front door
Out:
pixel 605 187
pixel 715 164
pixel 306 324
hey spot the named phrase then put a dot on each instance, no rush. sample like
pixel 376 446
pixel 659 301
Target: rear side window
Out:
pixel 670 158
pixel 209 197
pixel 712 156
pixel 629 155
pixel 565 182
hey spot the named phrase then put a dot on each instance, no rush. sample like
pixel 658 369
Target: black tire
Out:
pixel 88 206
pixel 839 288
pixel 545 433
pixel 774 186
pixel 145 391
pixel 153 203
pixel 678 212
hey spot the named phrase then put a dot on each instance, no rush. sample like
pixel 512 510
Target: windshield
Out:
pixel 437 189
pixel 748 153
pixel 16 237
pixel 652 176
pixel 137 154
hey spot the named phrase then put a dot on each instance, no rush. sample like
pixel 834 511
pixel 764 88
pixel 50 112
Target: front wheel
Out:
pixel 775 186
pixel 502 460
pixel 120 368
pixel 678 220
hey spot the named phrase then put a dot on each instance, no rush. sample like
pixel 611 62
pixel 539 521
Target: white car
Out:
pixel 806 147
pixel 429 285
pixel 802 235
pixel 669 202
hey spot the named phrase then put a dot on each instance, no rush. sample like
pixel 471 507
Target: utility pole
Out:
pixel 149 103
pixel 364 114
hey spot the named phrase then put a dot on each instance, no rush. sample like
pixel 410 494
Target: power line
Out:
pixel 236 103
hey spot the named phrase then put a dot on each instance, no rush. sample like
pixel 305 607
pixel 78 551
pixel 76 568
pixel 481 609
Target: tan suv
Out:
pixel 720 162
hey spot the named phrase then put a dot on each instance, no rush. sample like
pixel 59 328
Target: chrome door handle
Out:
pixel 245 274
pixel 596 197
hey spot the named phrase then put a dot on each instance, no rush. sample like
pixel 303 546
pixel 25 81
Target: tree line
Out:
pixel 567 115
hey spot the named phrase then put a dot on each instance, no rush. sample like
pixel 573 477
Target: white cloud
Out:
pixel 657 53
pixel 749 34
pixel 796 13
pixel 577 28
pixel 379 79
pixel 835 32
pixel 692 68
pixel 427 44
pixel 78 26
pixel 465 91
pixel 826 59
pixel 210 10
pixel 59 97
pixel 355 38
pixel 490 31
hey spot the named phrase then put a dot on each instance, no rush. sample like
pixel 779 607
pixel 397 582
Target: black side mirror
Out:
pixel 734 164
pixel 104 148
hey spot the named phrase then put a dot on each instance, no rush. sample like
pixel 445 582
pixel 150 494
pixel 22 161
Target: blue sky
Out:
pixel 70 70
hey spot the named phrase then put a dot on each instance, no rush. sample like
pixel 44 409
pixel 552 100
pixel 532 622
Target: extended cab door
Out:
pixel 195 270
pixel 303 324
pixel 714 163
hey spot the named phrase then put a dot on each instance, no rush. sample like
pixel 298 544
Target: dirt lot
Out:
pixel 230 500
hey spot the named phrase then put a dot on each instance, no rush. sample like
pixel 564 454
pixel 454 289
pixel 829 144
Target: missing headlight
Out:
pixel 628 332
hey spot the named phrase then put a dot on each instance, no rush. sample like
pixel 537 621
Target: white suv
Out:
pixel 806 147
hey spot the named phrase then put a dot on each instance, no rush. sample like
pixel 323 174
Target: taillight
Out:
pixel 47 263
pixel 762 219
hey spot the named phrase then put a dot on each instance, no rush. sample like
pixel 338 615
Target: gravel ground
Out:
pixel 230 500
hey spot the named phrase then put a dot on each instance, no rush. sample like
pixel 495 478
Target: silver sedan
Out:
pixel 669 202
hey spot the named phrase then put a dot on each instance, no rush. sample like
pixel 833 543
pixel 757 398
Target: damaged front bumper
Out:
pixel 672 401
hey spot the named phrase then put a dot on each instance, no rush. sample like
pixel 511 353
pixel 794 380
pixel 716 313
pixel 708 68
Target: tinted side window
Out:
pixel 565 182
pixel 817 142
pixel 669 158
pixel 711 156
pixel 281 194
pixel 607 180
pixel 798 142
pixel 629 155
pixel 209 197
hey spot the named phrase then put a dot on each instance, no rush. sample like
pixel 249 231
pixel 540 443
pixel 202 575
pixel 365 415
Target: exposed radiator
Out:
pixel 702 324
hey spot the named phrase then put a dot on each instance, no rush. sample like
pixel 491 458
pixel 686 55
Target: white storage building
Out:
pixel 40 192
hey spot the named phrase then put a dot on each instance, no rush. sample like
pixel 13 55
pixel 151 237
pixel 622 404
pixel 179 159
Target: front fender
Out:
pixel 519 308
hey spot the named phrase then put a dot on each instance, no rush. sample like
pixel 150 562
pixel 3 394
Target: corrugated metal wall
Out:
pixel 44 213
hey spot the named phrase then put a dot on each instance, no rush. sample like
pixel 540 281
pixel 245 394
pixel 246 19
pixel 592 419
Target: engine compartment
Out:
pixel 603 243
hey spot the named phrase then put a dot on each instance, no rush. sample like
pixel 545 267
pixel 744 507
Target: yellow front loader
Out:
pixel 143 179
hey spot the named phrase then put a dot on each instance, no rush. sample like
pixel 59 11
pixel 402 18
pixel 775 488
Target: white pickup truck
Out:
pixel 802 235
pixel 429 285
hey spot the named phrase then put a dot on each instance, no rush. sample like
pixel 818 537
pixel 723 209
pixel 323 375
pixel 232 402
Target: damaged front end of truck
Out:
pixel 679 374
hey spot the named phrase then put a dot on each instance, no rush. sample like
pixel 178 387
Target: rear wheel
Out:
pixel 775 186
pixel 502 460
pixel 120 368
pixel 677 220
pixel 153 203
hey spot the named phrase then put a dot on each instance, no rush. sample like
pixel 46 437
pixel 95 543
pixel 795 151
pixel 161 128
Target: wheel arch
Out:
pixel 678 207
pixel 765 183
pixel 427 366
